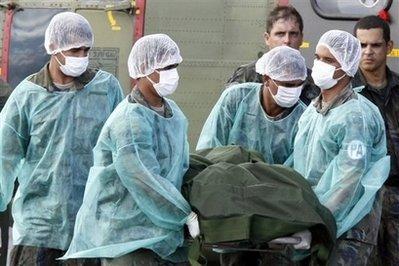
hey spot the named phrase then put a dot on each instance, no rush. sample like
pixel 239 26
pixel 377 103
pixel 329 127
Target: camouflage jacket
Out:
pixel 386 99
pixel 247 73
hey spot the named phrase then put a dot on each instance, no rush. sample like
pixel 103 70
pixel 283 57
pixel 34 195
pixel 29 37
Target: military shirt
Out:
pixel 386 99
pixel 137 97
pixel 342 97
pixel 43 79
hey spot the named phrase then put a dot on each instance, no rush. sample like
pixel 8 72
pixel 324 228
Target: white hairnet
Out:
pixel 344 47
pixel 152 52
pixel 282 63
pixel 67 30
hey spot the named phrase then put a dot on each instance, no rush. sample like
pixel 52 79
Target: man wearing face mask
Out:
pixel 48 129
pixel 262 117
pixel 133 212
pixel 340 148
pixel 284 27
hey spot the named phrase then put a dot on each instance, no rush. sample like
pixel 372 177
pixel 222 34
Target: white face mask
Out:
pixel 286 96
pixel 322 74
pixel 168 81
pixel 74 66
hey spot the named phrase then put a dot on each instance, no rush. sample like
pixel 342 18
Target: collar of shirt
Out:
pixel 345 95
pixel 43 79
pixel 393 81
pixel 137 97
pixel 284 113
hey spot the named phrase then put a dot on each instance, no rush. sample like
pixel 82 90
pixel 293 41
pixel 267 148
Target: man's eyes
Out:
pixel 373 45
pixel 282 34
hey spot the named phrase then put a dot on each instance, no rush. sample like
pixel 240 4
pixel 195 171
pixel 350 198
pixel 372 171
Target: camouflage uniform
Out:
pixel 28 255
pixel 247 73
pixel 137 97
pixel 386 99
pixel 141 257
pixel 358 245
pixel 349 252
pixel 388 241
pixel 256 259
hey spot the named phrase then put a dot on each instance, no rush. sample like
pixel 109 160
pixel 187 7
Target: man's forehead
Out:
pixel 290 82
pixel 289 23
pixel 323 51
pixel 80 48
pixel 370 34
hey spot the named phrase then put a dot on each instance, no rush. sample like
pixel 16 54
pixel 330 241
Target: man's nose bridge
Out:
pixel 368 49
pixel 81 53
pixel 287 36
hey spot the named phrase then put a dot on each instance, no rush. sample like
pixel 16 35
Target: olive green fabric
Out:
pixel 5 91
pixel 239 198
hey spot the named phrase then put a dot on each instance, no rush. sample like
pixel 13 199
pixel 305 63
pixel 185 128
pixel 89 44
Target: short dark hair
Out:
pixel 283 12
pixel 373 22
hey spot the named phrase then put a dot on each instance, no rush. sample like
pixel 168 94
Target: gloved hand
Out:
pixel 193 225
pixel 306 239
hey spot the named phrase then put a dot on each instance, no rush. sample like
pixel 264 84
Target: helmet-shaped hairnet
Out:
pixel 282 63
pixel 344 47
pixel 67 30
pixel 152 52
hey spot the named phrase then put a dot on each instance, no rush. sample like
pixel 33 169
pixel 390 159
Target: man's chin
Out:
pixel 368 67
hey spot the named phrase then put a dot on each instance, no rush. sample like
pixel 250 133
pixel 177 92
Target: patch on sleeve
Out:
pixel 356 150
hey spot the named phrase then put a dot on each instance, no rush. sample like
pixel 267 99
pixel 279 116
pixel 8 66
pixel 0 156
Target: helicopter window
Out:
pixel 27 51
pixel 349 9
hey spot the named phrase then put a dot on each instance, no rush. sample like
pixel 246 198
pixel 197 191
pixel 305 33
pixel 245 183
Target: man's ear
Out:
pixel 301 39
pixel 52 46
pixel 389 47
pixel 266 37
pixel 266 79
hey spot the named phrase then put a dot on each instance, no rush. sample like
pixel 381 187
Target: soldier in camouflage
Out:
pixel 284 26
pixel 381 86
